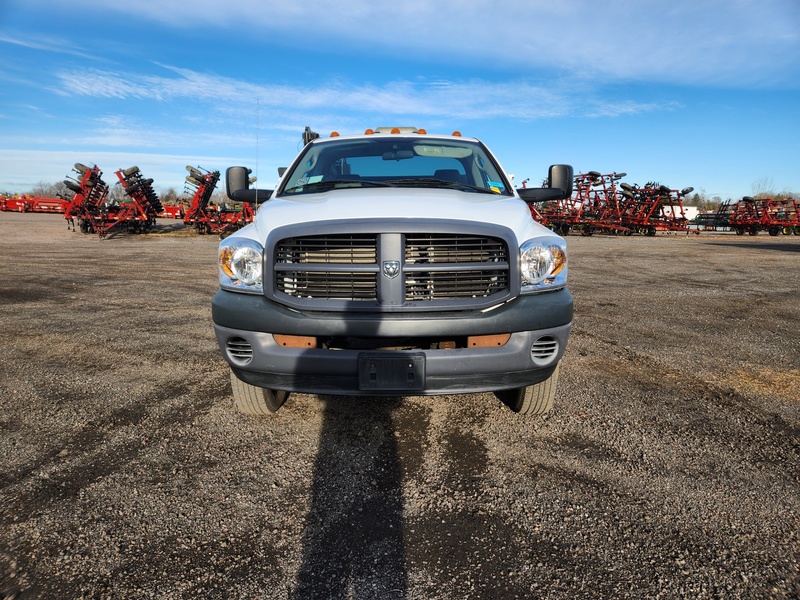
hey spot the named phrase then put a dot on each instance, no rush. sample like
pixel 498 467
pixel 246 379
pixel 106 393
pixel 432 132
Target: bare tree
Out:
pixel 763 187
pixel 48 190
pixel 702 201
pixel 116 194
pixel 170 196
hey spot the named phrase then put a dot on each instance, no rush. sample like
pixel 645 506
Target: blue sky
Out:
pixel 686 93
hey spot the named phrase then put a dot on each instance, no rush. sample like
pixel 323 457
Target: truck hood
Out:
pixel 395 204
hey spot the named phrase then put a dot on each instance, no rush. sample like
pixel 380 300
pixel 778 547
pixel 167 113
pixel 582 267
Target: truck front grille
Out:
pixel 389 271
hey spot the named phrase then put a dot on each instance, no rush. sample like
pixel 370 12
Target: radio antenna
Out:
pixel 258 106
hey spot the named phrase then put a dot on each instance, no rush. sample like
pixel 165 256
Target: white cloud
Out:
pixel 732 42
pixel 464 99
pixel 57 45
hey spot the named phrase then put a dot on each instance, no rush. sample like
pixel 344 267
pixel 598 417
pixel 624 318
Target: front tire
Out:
pixel 534 399
pixel 253 400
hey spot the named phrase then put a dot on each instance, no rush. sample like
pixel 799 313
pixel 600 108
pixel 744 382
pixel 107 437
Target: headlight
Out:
pixel 543 264
pixel 241 262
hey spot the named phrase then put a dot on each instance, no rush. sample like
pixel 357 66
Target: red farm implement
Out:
pixel 578 212
pixel 653 208
pixel 592 207
pixel 96 214
pixel 204 215
pixel 88 202
pixel 28 203
pixel 173 211
pixel 751 215
pixel 140 214
pixel 600 203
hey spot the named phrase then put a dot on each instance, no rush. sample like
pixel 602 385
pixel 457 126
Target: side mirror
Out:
pixel 237 186
pixel 236 178
pixel 561 176
pixel 559 185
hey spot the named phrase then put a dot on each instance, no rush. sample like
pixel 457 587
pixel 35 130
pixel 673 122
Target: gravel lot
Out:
pixel 670 466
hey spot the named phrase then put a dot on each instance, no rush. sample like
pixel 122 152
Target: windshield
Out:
pixel 395 162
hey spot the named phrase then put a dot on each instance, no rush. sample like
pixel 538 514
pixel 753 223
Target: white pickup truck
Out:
pixel 394 262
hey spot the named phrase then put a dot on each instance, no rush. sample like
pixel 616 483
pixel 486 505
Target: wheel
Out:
pixel 253 400
pixel 534 399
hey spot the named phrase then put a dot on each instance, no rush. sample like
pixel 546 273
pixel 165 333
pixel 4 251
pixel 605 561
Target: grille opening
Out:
pixel 327 249
pixel 239 350
pixel 440 248
pixel 455 284
pixel 327 285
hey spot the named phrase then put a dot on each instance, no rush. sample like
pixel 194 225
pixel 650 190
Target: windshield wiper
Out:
pixel 331 183
pixel 434 182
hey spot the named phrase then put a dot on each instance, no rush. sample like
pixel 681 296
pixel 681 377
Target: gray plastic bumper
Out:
pixel 253 320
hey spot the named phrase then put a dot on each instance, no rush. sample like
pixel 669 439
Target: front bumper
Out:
pixel 254 319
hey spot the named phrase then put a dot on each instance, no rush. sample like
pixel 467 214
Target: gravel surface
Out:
pixel 669 468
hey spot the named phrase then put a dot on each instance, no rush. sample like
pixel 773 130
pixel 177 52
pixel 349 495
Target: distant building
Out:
pixel 690 212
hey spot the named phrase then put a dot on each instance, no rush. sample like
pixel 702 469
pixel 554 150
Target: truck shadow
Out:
pixel 353 545
pixel 763 245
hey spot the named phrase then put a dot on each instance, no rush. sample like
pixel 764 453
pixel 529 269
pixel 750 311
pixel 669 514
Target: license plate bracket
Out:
pixel 390 372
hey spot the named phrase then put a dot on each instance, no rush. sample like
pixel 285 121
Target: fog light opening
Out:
pixel 544 350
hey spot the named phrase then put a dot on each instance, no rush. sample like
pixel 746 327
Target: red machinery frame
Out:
pixel 653 208
pixel 88 201
pixel 207 217
pixel 95 214
pixel 751 215
pixel 597 205
pixel 28 203
pixel 138 216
